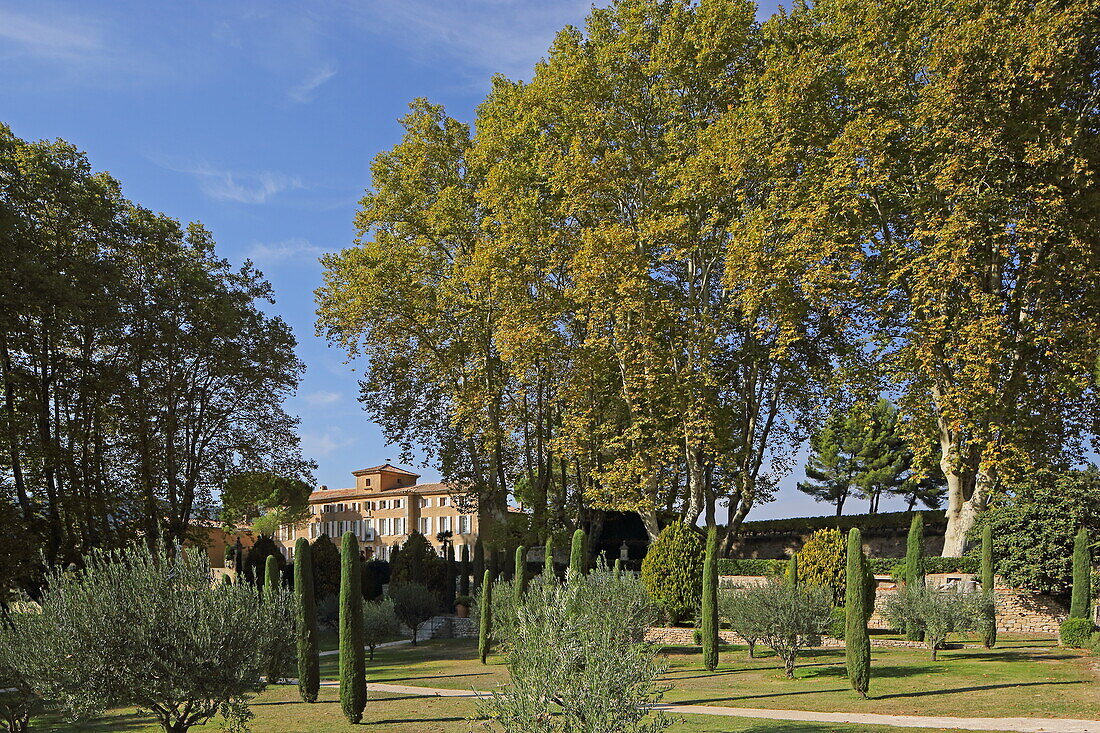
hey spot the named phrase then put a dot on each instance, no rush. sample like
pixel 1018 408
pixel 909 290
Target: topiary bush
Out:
pixel 1076 632
pixel 821 562
pixel 672 571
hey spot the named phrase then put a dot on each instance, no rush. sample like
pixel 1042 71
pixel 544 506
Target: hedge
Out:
pixel 864 522
pixel 879 565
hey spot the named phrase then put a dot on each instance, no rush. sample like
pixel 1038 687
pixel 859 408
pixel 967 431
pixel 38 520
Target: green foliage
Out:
pixel 326 568
pixel 17 701
pixel 273 576
pixel 934 613
pixel 821 562
pixel 255 564
pixel 485 628
pixel 578 660
pixel 857 643
pixel 548 557
pixel 353 671
pixel 838 621
pixel 791 575
pixel 794 616
pixel 833 463
pixel 915 569
pixel 671 571
pixel 1081 597
pixel 1075 632
pixel 102 629
pixel 464 572
pixel 309 679
pixel 447 596
pixel 1034 527
pixel 989 618
pixel 418 562
pixel 376 573
pixel 380 623
pixel 20 561
pixel 577 560
pixel 709 614
pixel 249 495
pixel 479 563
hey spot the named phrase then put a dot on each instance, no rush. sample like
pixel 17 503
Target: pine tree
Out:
pixel 833 466
pixel 464 577
pixel 989 622
pixel 914 563
pixel 792 570
pixel 576 554
pixel 710 601
pixel 486 627
pixel 857 643
pixel 309 676
pixel 881 455
pixel 519 577
pixel 353 665
pixel 1081 594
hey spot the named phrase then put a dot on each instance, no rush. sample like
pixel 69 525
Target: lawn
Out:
pixel 1022 677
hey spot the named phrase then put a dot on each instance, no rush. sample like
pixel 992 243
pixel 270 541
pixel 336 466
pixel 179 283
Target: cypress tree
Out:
pixel 491 556
pixel 914 562
pixel 486 617
pixel 618 567
pixel 449 579
pixel 989 626
pixel 792 570
pixel 548 558
pixel 353 665
pixel 309 663
pixel 479 564
pixel 464 578
pixel 271 576
pixel 710 601
pixel 857 643
pixel 519 578
pixel 576 553
pixel 1082 576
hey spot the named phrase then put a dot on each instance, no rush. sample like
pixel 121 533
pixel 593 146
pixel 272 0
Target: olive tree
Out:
pixel 151 630
pixel 935 612
pixel 739 608
pixel 379 623
pixel 414 604
pixel 579 661
pixel 793 615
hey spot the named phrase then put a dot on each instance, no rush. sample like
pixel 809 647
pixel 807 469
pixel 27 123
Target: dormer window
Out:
pixel 368 482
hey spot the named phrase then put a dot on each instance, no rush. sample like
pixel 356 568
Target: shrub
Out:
pixel 578 660
pixel 821 562
pixel 450 573
pixel 793 616
pixel 101 630
pixel 464 573
pixel 309 663
pixel 485 628
pixel 838 620
pixel 467 601
pixel 326 568
pixel 380 623
pixel 934 613
pixel 328 613
pixel 865 522
pixel 255 564
pixel 414 604
pixel 519 575
pixel 751 567
pixel 353 668
pixel 1076 632
pixel 672 569
pixel 17 701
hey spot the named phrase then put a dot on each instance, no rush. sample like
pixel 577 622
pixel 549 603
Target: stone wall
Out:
pixel 1018 611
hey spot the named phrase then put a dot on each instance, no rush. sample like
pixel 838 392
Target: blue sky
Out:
pixel 260 119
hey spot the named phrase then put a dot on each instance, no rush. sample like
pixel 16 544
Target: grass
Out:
pixel 1025 677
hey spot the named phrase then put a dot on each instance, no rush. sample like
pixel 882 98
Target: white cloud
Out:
pixel 324 444
pixel 243 187
pixel 269 253
pixel 321 398
pixel 303 92
pixel 56 37
pixel 486 36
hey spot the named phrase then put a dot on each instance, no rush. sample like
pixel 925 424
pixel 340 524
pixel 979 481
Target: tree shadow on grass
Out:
pixel 396 721
pixel 1015 656
pixel 975 688
pixel 125 722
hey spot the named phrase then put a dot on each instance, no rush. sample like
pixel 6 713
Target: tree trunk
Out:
pixel 963 507
pixel 649 519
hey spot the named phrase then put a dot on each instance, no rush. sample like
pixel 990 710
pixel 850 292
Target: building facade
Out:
pixel 383 508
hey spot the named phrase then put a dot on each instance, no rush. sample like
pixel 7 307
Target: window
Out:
pixel 445 524
pixel 464 524
pixel 368 523
pixel 424 502
pixel 368 482
pixel 398 503
pixel 383 526
pixel 444 501
pixel 399 526
pixel 384 504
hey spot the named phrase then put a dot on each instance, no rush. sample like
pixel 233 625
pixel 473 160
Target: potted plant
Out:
pixel 463 605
